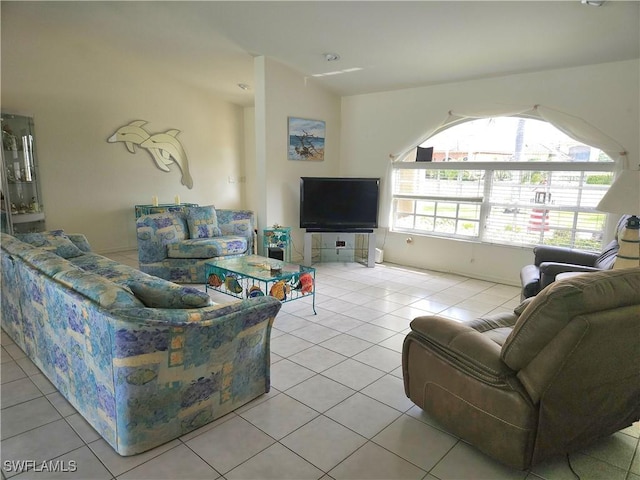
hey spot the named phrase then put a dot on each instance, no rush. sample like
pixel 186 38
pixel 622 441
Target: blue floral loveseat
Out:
pixel 143 360
pixel 176 245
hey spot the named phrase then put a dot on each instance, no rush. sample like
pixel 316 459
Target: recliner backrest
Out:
pixel 555 307
pixel 576 351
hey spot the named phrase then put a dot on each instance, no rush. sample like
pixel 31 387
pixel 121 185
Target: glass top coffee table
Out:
pixel 250 276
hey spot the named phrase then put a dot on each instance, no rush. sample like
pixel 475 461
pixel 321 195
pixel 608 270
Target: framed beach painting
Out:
pixel 306 139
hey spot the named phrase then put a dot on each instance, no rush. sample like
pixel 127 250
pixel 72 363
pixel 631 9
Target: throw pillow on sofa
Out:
pixel 54 241
pixel 48 262
pixel 202 222
pixel 98 289
pixel 240 227
pixel 166 295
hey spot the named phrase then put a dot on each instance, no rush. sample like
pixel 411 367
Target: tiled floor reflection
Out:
pixel 337 408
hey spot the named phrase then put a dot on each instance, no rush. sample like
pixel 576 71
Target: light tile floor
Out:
pixel 336 410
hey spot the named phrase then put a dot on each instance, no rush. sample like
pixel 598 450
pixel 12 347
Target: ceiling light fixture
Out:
pixel 331 57
pixel 593 3
pixel 244 86
pixel 346 70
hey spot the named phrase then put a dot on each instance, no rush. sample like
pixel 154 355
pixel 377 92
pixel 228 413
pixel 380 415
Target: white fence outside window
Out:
pixel 512 203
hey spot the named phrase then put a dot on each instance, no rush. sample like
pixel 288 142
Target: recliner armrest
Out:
pixel 546 253
pixel 471 351
pixel 530 280
pixel 549 271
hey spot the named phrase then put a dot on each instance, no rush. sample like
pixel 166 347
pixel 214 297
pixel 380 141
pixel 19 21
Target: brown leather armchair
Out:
pixel 548 379
pixel 550 261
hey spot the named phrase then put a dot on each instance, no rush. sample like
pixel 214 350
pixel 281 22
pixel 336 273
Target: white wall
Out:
pixel 251 197
pixel 282 93
pixel 79 94
pixel 376 125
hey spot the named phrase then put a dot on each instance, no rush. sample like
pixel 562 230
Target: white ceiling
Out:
pixel 395 44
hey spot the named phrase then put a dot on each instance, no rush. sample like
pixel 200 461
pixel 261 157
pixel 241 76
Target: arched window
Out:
pixel 505 180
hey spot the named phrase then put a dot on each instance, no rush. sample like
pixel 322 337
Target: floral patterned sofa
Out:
pixel 143 360
pixel 176 245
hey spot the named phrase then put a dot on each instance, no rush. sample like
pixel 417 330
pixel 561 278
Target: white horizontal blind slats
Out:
pixel 523 206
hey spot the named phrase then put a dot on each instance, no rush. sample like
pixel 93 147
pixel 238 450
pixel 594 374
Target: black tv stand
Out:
pixel 341 246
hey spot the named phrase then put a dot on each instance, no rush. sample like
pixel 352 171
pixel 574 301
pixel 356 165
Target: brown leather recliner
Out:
pixel 560 372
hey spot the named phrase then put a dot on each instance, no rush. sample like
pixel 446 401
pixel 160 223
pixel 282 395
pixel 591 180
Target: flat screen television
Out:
pixel 339 204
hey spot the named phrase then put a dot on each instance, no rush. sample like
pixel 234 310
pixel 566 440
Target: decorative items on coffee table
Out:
pixel 256 276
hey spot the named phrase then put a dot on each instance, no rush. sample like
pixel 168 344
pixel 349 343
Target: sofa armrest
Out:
pixel 178 369
pixel 545 253
pixel 259 307
pixel 466 348
pixel 239 222
pixel 549 271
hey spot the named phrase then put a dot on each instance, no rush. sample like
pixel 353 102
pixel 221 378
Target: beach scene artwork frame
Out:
pixel 306 139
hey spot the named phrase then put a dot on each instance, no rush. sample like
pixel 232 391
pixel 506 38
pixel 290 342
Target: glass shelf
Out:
pixel 27 217
pixel 21 195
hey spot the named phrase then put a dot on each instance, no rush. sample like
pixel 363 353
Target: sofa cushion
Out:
pixel 202 222
pixel 151 291
pixel 80 241
pixel 55 241
pixel 168 295
pixel 116 272
pixel 13 245
pixel 207 247
pixel 240 227
pixel 98 289
pixel 156 231
pixel 47 262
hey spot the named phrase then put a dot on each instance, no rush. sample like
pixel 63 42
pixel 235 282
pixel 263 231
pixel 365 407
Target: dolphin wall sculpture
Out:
pixel 164 148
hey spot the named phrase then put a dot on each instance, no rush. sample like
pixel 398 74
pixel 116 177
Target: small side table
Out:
pixel 277 237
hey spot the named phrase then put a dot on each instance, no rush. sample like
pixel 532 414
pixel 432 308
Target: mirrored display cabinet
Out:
pixel 22 207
